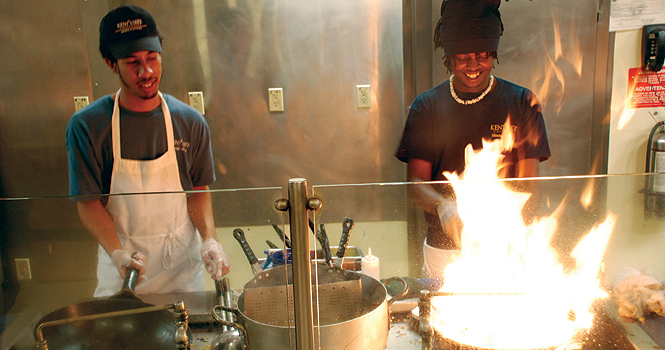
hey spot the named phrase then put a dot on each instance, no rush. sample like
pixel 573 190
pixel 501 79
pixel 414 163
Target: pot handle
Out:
pixel 235 324
pixel 131 277
pixel 401 294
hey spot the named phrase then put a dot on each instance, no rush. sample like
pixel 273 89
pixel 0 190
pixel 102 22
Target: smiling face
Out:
pixel 472 71
pixel 140 74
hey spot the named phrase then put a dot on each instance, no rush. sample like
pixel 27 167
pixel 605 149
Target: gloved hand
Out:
pixel 450 221
pixel 214 258
pixel 447 210
pixel 123 260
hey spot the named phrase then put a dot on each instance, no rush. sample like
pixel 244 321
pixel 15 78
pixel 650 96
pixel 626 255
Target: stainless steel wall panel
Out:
pixel 44 65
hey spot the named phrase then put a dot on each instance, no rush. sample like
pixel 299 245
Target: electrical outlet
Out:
pixel 80 102
pixel 196 101
pixel 276 99
pixel 23 269
pixel 363 96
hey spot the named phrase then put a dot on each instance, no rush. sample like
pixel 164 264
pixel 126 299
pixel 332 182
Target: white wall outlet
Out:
pixel 80 102
pixel 363 96
pixel 276 99
pixel 196 101
pixel 23 269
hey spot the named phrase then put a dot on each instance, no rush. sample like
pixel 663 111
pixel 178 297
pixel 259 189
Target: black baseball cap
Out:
pixel 128 29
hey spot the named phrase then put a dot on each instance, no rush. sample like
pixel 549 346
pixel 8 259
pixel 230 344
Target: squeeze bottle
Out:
pixel 370 265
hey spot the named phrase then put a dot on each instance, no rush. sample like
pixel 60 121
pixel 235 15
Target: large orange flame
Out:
pixel 510 289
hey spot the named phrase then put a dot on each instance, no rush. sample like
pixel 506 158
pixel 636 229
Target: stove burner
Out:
pixel 604 334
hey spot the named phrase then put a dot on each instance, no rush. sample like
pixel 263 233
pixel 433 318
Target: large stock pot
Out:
pixel 356 320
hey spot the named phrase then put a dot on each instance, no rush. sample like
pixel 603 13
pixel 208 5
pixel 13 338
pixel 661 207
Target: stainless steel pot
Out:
pixel 363 329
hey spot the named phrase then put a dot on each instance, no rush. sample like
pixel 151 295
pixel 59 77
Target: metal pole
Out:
pixel 302 288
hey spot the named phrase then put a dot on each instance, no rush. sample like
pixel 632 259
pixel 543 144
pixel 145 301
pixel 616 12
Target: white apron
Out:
pixel 436 260
pixel 157 225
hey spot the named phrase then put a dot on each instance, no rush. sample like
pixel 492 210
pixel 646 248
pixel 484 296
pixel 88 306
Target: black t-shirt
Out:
pixel 438 129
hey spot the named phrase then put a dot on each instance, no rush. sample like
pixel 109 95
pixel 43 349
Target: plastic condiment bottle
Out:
pixel 370 265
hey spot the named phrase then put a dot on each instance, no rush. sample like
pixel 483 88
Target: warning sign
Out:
pixel 646 89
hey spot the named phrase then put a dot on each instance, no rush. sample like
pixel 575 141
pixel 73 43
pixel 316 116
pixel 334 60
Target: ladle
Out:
pixel 230 338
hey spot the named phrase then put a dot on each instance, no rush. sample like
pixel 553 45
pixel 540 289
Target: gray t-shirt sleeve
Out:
pixel 86 136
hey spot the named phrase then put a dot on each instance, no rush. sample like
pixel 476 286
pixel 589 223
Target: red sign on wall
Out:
pixel 646 89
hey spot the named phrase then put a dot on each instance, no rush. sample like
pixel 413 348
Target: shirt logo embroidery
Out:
pixel 497 130
pixel 181 145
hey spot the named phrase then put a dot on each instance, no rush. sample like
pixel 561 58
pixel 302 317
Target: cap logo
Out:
pixel 130 25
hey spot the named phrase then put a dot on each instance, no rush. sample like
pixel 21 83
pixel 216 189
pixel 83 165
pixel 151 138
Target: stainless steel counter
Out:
pixel 623 334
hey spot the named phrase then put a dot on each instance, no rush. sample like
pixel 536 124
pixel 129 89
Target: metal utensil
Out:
pixel 230 338
pixel 282 236
pixel 268 297
pixel 240 237
pixel 322 237
pixel 271 244
pixel 347 225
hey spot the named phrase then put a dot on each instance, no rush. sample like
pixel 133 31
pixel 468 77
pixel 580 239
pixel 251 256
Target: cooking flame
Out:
pixel 510 289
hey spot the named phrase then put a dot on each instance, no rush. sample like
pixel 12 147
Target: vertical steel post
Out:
pixel 302 288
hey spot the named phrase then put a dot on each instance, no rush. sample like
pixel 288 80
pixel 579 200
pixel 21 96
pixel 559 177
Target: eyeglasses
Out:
pixel 480 57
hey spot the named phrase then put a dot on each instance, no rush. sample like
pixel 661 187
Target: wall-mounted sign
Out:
pixel 634 14
pixel 646 89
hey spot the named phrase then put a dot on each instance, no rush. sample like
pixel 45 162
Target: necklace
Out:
pixel 470 102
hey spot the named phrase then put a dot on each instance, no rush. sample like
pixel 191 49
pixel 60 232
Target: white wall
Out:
pixel 629 128
pixel 636 242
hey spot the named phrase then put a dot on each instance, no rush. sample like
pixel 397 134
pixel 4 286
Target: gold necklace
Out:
pixel 470 102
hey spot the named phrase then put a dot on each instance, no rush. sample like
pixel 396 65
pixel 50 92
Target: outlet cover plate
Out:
pixel 80 102
pixel 23 271
pixel 276 99
pixel 363 94
pixel 196 101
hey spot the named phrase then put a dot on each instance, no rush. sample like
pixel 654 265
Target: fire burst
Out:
pixel 510 289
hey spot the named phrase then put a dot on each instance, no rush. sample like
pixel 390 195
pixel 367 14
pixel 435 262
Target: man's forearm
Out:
pixel 199 205
pixel 99 224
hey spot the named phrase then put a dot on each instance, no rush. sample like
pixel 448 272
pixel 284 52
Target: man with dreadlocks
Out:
pixel 470 106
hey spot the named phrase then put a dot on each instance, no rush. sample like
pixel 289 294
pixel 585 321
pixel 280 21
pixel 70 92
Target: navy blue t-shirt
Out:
pixel 438 129
pixel 90 147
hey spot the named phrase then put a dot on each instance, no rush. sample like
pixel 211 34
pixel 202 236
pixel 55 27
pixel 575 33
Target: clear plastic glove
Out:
pixel 123 260
pixel 447 211
pixel 450 221
pixel 214 258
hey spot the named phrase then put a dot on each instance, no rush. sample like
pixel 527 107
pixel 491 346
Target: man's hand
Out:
pixel 214 258
pixel 447 210
pixel 123 260
pixel 450 220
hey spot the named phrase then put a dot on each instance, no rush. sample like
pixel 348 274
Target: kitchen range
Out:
pixel 581 205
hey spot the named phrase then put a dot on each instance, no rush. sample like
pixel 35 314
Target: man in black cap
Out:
pixel 139 140
pixel 471 106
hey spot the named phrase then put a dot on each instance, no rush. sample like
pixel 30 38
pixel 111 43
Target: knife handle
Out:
pixel 240 237
pixel 347 225
pixel 325 245
pixel 282 236
pixel 131 277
